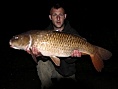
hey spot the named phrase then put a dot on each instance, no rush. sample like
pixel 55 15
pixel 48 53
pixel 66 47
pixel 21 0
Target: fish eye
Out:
pixel 15 37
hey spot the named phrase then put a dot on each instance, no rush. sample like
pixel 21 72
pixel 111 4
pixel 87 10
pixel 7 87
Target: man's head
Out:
pixel 57 15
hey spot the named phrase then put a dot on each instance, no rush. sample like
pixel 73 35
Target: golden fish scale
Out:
pixel 54 43
pixel 51 43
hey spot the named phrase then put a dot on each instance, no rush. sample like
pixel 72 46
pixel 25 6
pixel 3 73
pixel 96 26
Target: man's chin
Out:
pixel 58 26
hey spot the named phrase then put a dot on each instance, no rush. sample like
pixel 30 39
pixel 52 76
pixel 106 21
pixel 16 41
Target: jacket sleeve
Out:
pixel 70 60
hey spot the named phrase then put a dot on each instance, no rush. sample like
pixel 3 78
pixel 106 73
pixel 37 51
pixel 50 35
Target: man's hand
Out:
pixel 76 53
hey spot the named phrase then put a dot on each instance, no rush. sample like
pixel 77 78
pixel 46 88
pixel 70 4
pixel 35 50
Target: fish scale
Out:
pixel 59 44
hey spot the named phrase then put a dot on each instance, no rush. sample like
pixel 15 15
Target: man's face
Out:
pixel 57 16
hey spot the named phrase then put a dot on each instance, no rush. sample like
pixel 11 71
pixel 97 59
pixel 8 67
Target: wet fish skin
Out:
pixel 58 44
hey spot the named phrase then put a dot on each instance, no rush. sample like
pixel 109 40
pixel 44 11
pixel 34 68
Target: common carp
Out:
pixel 56 44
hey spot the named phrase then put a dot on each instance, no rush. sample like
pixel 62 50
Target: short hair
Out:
pixel 57 6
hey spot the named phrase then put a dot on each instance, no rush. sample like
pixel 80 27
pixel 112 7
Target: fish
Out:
pixel 55 44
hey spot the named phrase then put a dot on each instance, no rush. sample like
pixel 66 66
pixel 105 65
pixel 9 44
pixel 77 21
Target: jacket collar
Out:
pixel 66 24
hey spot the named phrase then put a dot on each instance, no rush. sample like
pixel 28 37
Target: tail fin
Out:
pixel 103 53
pixel 100 55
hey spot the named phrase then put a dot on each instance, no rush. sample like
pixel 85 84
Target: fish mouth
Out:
pixel 10 42
pixel 12 46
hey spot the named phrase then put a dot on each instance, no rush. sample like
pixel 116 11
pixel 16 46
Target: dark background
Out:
pixel 95 20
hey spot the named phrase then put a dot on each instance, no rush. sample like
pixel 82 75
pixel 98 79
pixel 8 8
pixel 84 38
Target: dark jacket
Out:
pixel 67 28
pixel 67 66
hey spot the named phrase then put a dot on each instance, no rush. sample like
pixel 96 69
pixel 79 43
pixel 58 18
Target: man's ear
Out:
pixel 50 17
pixel 65 15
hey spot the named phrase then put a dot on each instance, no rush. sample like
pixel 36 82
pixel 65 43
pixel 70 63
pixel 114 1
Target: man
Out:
pixel 59 23
pixel 46 69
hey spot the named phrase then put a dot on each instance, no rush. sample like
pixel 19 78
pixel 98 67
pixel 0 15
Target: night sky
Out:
pixel 96 21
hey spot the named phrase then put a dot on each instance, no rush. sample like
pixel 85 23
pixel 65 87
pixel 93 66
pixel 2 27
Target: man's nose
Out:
pixel 58 17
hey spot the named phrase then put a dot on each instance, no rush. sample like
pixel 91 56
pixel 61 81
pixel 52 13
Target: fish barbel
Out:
pixel 56 44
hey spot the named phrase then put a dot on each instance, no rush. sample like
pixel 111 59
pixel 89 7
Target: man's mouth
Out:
pixel 58 22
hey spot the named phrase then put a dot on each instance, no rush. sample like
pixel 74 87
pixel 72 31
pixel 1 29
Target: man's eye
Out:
pixel 61 15
pixel 54 15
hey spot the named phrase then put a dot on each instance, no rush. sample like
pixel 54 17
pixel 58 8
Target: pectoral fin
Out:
pixel 56 60
pixel 33 56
